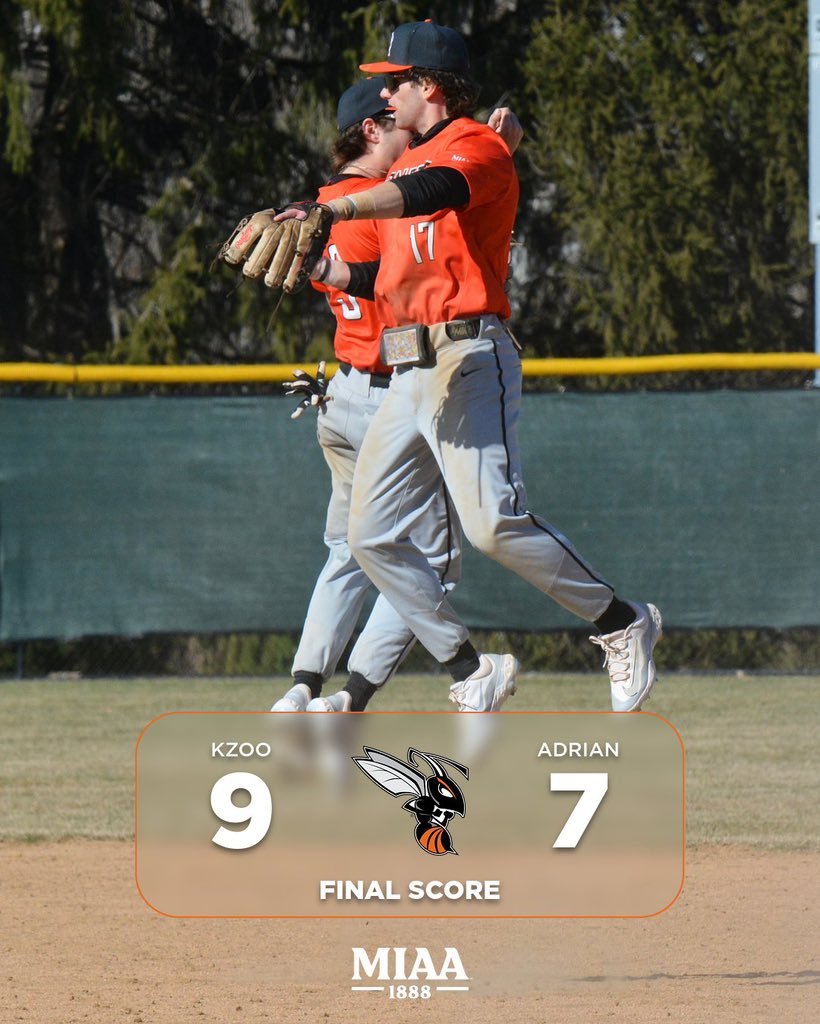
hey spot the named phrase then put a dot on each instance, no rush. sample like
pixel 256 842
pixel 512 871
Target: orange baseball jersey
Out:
pixel 358 328
pixel 451 264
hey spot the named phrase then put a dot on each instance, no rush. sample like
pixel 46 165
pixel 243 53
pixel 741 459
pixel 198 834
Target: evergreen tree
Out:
pixel 669 156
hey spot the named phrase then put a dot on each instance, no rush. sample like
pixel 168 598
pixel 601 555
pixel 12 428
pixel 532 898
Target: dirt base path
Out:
pixel 79 945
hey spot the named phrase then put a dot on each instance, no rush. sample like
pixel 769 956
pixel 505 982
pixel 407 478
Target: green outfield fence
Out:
pixel 148 516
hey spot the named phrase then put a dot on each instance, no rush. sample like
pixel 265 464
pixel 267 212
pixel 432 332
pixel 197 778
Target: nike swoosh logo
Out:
pixel 466 373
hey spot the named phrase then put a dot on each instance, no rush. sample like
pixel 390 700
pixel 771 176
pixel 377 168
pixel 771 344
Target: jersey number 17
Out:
pixel 417 229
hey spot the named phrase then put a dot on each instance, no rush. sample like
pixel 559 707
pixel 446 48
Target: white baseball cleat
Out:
pixel 340 701
pixel 628 657
pixel 489 686
pixel 296 699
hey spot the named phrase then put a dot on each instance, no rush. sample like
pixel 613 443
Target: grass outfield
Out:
pixel 67 762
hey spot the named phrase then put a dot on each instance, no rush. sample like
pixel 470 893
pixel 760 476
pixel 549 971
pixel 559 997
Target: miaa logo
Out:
pixel 398 963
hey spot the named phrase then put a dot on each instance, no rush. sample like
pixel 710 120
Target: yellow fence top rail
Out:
pixel 65 373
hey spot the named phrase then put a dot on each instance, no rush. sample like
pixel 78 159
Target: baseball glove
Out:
pixel 311 390
pixel 299 247
pixel 259 232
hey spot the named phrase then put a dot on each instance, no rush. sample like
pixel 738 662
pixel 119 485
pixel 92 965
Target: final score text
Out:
pixel 434 889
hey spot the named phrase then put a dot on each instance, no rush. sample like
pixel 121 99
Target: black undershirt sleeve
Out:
pixel 427 191
pixel 433 189
pixel 363 279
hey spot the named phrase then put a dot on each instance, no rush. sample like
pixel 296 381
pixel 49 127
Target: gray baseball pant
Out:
pixel 458 419
pixel 342 587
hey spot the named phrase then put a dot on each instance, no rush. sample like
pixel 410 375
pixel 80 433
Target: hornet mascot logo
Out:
pixel 435 799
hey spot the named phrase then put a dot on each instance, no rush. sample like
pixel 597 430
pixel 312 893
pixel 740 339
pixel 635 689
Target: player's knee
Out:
pixel 483 534
pixel 338 547
pixel 360 540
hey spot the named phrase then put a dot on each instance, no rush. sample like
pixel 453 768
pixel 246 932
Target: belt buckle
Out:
pixel 404 346
pixel 463 330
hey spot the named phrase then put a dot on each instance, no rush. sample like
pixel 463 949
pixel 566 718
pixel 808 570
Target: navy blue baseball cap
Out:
pixel 360 101
pixel 423 44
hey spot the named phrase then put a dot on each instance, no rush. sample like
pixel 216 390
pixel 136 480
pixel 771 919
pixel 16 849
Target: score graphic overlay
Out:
pixel 409 815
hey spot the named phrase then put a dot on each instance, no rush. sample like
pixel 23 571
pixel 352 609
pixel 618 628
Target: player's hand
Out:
pixel 506 124
pixel 312 391
pixel 290 213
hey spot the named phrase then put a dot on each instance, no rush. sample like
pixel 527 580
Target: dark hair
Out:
pixel 351 144
pixel 460 92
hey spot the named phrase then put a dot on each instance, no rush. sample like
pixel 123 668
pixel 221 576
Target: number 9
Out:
pixel 258 813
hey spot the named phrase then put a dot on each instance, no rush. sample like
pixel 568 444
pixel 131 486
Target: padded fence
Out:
pixel 145 515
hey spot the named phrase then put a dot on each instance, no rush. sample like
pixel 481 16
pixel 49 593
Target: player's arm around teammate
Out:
pixel 445 217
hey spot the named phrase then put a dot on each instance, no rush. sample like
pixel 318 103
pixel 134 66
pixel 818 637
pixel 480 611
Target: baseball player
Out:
pixel 368 143
pixel 445 217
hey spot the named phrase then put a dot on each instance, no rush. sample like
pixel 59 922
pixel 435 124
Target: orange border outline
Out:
pixel 415 917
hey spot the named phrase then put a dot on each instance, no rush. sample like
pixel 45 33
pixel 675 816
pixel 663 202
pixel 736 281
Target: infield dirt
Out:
pixel 739 946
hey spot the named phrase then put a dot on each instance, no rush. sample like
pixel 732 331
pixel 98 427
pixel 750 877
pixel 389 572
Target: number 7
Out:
pixel 593 787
